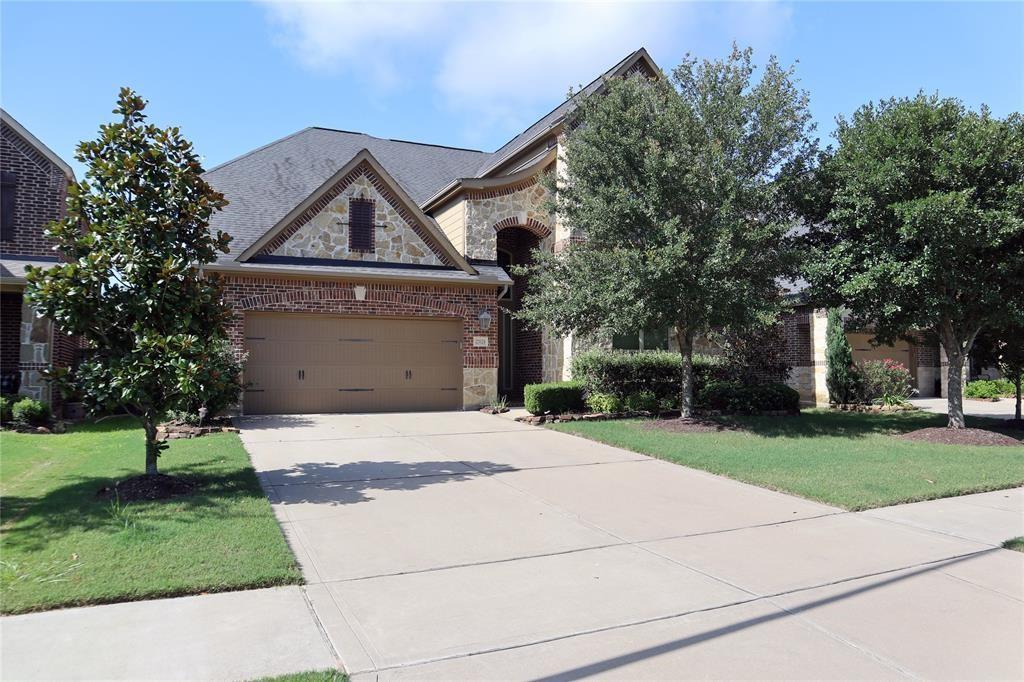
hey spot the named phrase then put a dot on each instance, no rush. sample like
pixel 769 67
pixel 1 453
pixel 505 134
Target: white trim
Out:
pixel 35 142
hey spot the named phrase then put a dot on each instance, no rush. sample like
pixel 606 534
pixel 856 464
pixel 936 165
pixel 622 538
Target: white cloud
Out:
pixel 361 36
pixel 500 64
pixel 513 56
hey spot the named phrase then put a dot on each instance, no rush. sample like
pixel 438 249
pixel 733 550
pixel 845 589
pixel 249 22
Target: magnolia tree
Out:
pixel 673 184
pixel 134 240
pixel 918 223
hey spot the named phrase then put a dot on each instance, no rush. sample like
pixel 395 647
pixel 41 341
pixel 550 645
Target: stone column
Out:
pixel 819 328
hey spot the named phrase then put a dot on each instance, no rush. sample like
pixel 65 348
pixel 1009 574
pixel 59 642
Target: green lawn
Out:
pixel 847 459
pixel 62 545
pixel 313 676
pixel 1016 544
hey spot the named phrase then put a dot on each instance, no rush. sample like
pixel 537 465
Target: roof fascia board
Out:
pixel 298 272
pixel 463 184
pixel 38 144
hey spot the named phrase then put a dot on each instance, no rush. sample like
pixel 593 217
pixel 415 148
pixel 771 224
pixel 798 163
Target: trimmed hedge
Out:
pixel 30 412
pixel 990 388
pixel 624 374
pixel 557 397
pixel 732 396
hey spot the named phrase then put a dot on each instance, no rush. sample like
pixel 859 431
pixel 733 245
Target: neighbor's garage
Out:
pixel 323 363
pixel 864 350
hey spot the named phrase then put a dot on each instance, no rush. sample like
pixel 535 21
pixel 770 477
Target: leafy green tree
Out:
pixel 672 183
pixel 918 223
pixel 841 376
pixel 1003 348
pixel 135 239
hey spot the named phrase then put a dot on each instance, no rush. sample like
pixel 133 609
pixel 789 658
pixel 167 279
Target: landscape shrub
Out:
pixel 841 376
pixel 604 402
pixel 740 398
pixel 30 412
pixel 5 409
pixel 644 401
pixel 556 397
pixel 989 388
pixel 885 382
pixel 623 373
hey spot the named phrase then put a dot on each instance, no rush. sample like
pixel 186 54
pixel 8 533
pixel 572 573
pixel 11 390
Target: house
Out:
pixel 370 274
pixel 34 186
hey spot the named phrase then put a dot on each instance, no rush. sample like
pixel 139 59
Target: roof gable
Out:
pixel 364 172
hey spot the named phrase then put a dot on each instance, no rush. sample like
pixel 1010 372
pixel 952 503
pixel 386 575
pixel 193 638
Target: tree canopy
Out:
pixel 918 223
pixel 673 183
pixel 134 242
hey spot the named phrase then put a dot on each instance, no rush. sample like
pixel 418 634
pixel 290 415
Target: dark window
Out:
pixel 648 339
pixel 360 225
pixel 8 186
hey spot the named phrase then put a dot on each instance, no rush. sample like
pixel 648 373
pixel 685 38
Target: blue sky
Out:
pixel 236 75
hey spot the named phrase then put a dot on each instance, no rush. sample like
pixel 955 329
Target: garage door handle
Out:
pixel 302 375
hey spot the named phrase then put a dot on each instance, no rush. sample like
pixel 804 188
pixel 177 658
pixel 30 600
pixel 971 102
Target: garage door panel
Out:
pixel 320 363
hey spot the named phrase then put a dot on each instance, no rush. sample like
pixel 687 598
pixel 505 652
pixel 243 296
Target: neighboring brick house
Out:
pixel 34 185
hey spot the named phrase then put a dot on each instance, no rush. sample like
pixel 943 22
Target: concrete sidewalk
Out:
pixel 464 546
pixel 230 636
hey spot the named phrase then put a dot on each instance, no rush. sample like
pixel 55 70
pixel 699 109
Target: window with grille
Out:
pixel 360 225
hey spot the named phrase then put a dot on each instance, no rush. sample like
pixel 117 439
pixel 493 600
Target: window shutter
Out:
pixel 361 232
pixel 8 190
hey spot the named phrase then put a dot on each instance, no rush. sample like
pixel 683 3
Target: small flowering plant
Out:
pixel 886 382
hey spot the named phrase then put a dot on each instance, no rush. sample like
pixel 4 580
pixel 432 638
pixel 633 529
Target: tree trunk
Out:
pixel 1016 385
pixel 955 388
pixel 152 451
pixel 685 339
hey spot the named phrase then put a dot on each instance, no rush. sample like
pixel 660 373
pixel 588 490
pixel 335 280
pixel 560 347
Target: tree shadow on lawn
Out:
pixel 84 504
pixel 837 424
pixel 333 484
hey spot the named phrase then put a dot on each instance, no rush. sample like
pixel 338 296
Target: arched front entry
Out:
pixel 520 351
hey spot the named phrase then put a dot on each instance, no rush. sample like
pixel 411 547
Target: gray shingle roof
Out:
pixel 264 185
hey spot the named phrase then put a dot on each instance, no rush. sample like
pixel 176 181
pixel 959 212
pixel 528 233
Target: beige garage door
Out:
pixel 323 363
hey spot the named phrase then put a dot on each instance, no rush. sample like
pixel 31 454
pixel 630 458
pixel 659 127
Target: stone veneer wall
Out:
pixel 479 374
pixel 326 234
pixel 34 353
pixel 520 206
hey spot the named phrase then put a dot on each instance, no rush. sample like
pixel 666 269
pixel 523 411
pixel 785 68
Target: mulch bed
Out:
pixel 690 426
pixel 947 436
pixel 147 487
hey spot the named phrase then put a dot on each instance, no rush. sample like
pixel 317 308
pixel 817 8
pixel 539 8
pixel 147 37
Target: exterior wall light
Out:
pixel 484 318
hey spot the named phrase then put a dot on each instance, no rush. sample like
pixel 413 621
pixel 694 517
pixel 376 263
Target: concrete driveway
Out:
pixel 464 546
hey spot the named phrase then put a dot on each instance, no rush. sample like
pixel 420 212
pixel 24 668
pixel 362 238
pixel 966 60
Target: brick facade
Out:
pixel 41 189
pixel 244 293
